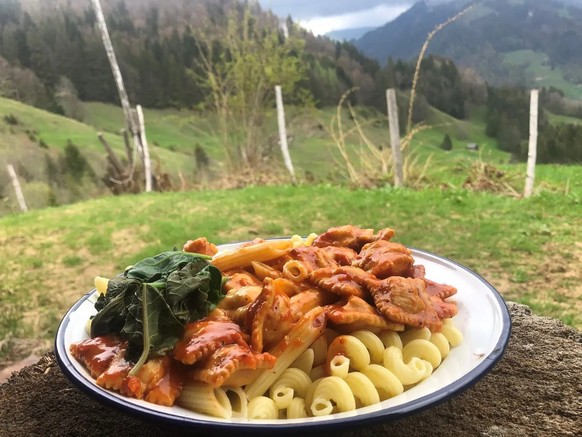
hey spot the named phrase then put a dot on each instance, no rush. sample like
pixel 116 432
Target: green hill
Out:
pixel 31 139
pixel 36 142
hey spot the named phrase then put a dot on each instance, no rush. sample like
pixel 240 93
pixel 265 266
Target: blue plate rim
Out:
pixel 384 415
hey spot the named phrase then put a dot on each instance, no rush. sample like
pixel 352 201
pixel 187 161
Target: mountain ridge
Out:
pixel 488 36
pixel 349 34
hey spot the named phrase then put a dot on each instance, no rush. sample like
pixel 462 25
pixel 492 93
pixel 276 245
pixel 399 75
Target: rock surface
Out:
pixel 535 389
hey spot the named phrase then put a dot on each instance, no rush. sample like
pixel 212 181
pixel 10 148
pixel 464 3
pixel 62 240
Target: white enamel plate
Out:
pixel 483 319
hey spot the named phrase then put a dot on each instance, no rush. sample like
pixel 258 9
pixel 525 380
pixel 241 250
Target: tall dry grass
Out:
pixel 373 164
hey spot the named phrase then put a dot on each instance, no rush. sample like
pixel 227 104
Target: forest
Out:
pixel 56 60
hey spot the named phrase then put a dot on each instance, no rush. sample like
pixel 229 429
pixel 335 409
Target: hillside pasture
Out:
pixel 540 73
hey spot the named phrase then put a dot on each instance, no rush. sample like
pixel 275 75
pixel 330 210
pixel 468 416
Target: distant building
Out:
pixel 472 146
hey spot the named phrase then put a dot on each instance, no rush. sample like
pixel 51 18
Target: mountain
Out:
pixel 348 34
pixel 533 42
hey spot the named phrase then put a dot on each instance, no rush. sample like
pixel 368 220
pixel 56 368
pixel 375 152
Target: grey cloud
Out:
pixel 302 9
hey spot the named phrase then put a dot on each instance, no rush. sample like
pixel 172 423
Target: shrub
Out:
pixel 11 119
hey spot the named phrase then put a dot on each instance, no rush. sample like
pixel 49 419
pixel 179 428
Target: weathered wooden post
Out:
pixel 283 133
pixel 394 137
pixel 17 188
pixel 532 145
pixel 146 153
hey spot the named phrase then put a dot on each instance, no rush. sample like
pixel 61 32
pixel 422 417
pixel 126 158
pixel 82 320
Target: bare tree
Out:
pixel 240 76
pixel 133 125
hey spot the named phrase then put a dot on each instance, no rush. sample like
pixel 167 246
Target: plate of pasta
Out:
pixel 338 329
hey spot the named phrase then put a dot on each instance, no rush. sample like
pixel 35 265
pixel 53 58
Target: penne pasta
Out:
pixel 286 286
pixel 302 334
pixel 244 256
pixel 262 271
pixel 319 348
pixel 295 271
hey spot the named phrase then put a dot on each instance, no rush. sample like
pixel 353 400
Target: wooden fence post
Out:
pixel 532 145
pixel 17 188
pixel 146 154
pixel 283 133
pixel 394 137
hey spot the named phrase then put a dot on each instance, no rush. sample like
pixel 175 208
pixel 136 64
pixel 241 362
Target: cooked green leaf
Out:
pixel 153 300
pixel 160 266
pixel 150 327
pixel 194 290
pixel 112 306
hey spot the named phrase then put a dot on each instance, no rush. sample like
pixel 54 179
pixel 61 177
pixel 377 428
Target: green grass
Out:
pixel 171 129
pixel 563 119
pixel 526 248
pixel 56 132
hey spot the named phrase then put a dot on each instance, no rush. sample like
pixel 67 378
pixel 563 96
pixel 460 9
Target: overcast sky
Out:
pixel 321 16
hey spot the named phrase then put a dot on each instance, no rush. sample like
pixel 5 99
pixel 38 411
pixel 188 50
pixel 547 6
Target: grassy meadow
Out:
pixel 529 249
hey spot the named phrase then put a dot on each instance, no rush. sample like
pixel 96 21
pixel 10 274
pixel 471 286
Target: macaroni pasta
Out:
pixel 317 355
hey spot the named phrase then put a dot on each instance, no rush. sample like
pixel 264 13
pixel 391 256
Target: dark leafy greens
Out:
pixel 152 301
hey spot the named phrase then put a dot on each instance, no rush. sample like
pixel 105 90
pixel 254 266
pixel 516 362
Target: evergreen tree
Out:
pixel 446 144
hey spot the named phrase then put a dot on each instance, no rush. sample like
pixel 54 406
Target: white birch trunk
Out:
pixel 17 188
pixel 283 133
pixel 532 145
pixel 394 137
pixel 114 66
pixel 146 153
